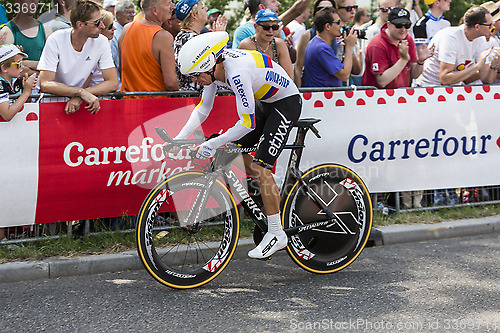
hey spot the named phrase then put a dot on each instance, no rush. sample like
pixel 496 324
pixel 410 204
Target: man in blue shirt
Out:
pixel 322 68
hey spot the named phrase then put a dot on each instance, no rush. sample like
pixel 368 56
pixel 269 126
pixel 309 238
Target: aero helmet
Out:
pixel 200 53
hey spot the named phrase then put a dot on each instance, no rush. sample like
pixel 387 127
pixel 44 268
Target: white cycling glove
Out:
pixel 205 150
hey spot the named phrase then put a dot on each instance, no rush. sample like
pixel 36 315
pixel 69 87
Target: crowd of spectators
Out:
pixel 81 49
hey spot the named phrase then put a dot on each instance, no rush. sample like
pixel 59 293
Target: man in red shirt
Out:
pixel 391 59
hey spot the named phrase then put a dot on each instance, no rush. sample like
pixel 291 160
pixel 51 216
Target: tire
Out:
pixel 183 256
pixel 330 248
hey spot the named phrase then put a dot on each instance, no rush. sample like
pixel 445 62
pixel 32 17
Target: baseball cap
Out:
pixel 491 7
pixel 399 15
pixel 213 10
pixel 108 3
pixel 183 7
pixel 8 51
pixel 429 2
pixel 264 15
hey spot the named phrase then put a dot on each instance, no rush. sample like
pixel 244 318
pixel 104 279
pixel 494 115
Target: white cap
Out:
pixel 9 50
pixel 108 3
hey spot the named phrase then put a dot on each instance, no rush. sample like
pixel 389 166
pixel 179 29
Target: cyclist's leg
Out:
pixel 283 115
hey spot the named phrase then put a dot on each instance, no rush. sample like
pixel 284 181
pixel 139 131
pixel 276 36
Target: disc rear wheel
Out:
pixel 328 245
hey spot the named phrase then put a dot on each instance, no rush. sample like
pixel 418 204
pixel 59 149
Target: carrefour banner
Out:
pixel 59 167
pixel 409 139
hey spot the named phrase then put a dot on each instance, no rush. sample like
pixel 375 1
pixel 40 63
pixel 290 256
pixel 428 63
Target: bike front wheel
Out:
pixel 176 252
pixel 328 247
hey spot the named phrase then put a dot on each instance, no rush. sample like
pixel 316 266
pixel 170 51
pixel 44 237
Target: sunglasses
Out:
pixel 349 8
pixel 18 64
pixel 194 75
pixel 336 22
pixel 268 27
pixel 384 9
pixel 97 22
pixel 402 25
pixel 488 25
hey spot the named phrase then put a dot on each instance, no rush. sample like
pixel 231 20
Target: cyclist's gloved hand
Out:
pixel 205 150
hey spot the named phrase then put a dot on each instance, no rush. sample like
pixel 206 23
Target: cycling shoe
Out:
pixel 269 245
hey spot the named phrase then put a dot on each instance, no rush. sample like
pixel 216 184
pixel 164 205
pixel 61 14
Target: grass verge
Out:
pixel 116 242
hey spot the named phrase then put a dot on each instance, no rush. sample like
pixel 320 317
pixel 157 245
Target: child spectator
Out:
pixel 26 31
pixel 11 81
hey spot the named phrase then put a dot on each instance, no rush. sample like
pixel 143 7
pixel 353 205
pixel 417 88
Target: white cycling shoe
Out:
pixel 269 245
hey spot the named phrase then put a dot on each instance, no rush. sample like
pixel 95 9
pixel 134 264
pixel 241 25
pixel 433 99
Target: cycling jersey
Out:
pixel 252 76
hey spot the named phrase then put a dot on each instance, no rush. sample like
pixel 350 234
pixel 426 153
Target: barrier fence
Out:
pixel 57 167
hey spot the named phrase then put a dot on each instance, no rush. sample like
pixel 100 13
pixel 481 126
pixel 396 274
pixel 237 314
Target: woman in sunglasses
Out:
pixel 266 24
pixel 193 15
pixel 108 31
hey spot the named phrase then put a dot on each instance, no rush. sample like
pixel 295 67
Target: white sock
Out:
pixel 274 224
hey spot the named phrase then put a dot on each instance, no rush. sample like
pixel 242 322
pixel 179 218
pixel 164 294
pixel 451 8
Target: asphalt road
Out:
pixel 435 286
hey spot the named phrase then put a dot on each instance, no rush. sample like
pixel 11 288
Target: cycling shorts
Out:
pixel 273 123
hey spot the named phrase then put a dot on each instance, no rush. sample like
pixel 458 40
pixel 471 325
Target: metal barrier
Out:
pixel 386 202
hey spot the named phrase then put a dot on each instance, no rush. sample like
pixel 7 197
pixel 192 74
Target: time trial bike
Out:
pixel 188 226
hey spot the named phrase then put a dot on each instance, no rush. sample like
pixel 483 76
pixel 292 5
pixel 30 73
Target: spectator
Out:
pixel 247 29
pixel 456 51
pixel 362 19
pixel 433 21
pixel 147 52
pixel 213 14
pixel 109 5
pixel 490 74
pixel 391 58
pixel 266 21
pixel 413 6
pixel 70 56
pixel 347 10
pixel 13 83
pixel 193 15
pixel 26 31
pixel 108 32
pixel 383 9
pixel 61 18
pixel 124 13
pixel 172 25
pixel 298 27
pixel 306 37
pixel 322 67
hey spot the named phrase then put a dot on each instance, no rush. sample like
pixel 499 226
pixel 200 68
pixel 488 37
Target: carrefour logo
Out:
pixel 360 147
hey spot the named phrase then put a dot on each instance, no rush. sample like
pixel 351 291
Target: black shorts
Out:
pixel 273 123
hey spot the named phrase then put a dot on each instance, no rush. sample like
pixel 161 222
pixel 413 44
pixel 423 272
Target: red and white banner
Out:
pixel 59 167
pixel 408 139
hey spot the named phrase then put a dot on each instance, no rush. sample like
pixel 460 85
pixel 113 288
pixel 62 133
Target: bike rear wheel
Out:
pixel 331 247
pixel 180 254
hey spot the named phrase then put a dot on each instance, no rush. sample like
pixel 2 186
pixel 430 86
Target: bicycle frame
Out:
pixel 221 167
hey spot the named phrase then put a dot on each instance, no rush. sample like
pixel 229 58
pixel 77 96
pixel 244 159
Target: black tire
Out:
pixel 179 255
pixel 330 248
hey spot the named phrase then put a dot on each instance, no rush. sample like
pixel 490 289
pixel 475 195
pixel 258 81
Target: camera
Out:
pixel 361 32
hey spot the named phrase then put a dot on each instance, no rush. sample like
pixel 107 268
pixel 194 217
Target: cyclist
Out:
pixel 252 76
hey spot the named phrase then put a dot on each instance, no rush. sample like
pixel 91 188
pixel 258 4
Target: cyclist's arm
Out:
pixel 241 84
pixel 200 112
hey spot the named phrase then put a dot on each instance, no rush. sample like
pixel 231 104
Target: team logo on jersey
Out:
pixel 375 67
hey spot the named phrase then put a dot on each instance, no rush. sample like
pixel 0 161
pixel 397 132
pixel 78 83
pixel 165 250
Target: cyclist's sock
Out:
pixel 274 223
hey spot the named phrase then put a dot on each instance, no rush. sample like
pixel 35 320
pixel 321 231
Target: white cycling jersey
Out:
pixel 251 75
